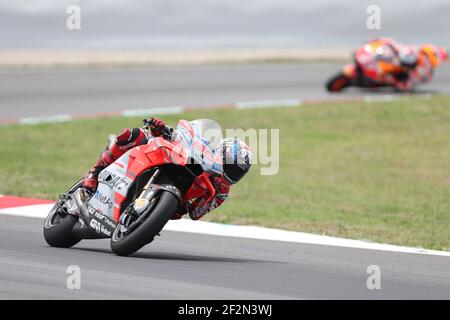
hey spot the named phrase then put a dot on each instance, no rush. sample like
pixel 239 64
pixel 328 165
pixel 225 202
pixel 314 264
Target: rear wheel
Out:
pixel 338 83
pixel 128 239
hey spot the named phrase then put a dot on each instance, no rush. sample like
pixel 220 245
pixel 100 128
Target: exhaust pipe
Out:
pixel 80 199
pixel 82 228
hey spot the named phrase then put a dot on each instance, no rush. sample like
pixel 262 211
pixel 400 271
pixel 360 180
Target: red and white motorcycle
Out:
pixel 141 191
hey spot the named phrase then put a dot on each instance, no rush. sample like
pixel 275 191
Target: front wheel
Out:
pixel 123 243
pixel 338 83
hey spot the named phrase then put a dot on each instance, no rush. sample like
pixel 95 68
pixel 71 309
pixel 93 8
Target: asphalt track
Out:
pixel 191 266
pixel 30 93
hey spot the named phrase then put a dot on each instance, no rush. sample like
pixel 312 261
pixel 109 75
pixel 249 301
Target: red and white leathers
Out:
pixel 131 138
pixel 199 208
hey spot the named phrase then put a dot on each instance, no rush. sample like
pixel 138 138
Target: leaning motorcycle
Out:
pixel 365 62
pixel 141 191
pixel 352 75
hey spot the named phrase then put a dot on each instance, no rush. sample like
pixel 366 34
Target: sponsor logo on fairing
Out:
pixel 104 219
pixel 103 199
pixel 98 227
pixel 113 180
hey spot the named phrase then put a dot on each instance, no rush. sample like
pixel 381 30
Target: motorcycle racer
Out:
pixel 385 62
pixel 236 162
pixel 430 57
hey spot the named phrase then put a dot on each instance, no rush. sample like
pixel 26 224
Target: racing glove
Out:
pixel 157 126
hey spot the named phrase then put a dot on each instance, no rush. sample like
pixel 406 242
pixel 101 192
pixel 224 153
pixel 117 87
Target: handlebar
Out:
pixel 167 131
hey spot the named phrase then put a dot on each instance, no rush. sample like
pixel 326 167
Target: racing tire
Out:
pixel 58 225
pixel 338 83
pixel 148 229
pixel 58 233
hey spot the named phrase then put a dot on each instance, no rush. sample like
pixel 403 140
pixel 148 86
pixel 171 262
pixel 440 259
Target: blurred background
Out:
pixel 210 23
pixel 230 51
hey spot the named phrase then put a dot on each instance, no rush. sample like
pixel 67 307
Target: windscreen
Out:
pixel 200 138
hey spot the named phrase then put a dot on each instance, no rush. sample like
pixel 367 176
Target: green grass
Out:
pixel 378 171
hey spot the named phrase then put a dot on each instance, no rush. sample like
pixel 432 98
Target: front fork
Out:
pixel 142 202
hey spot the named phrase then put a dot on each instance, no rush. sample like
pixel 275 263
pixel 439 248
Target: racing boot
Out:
pixel 90 182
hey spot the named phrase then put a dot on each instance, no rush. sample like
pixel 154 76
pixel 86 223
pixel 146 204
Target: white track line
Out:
pixel 178 109
pixel 146 112
pixel 268 104
pixel 249 232
pixel 33 211
pixel 47 119
pixel 391 97
pixel 381 98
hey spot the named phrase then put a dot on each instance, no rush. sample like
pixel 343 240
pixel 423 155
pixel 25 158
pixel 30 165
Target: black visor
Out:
pixel 233 173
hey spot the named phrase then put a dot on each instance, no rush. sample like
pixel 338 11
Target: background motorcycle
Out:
pixel 362 72
pixel 140 191
pixel 352 75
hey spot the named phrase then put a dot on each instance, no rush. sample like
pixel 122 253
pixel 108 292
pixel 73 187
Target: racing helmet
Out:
pixel 236 159
pixel 408 57
pixel 434 54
